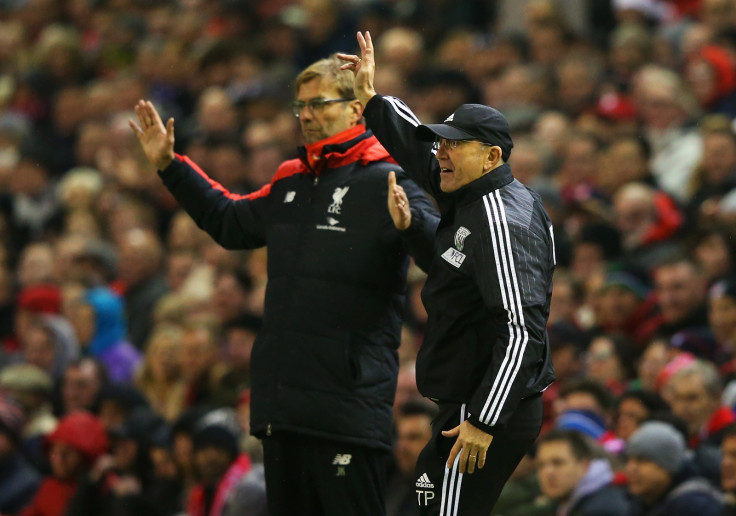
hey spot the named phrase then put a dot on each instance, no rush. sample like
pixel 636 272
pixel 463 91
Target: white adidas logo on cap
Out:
pixel 423 481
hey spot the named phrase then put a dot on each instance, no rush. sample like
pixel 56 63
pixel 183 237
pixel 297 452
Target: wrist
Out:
pixel 365 96
pixel 163 163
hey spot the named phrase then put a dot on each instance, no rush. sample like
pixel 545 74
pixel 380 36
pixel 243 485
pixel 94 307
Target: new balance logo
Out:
pixel 342 459
pixel 289 196
pixel 423 481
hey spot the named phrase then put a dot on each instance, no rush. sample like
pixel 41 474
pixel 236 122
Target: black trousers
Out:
pixel 443 491
pixel 308 476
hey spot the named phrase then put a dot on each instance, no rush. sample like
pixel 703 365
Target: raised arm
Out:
pixel 234 221
pixel 391 120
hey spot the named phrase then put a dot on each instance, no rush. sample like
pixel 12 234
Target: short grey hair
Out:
pixel 705 371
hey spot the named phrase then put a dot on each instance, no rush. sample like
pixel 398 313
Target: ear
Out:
pixel 356 110
pixel 492 158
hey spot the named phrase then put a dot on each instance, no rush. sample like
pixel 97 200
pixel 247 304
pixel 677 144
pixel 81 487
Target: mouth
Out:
pixel 445 170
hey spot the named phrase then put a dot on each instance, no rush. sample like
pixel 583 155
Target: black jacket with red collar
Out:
pixel 325 362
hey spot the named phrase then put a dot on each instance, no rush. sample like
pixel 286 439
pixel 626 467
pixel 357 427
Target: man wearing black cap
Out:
pixel 485 357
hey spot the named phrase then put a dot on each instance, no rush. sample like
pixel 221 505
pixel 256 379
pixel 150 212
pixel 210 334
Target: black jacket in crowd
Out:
pixel 325 361
pixel 490 282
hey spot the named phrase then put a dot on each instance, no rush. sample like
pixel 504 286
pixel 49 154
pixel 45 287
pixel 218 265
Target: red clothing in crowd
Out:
pixel 198 503
pixel 52 498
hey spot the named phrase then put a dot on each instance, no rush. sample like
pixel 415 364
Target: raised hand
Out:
pixel 364 68
pixel 157 141
pixel 398 204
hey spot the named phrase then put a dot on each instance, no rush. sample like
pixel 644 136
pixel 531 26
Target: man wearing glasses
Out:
pixel 324 365
pixel 485 358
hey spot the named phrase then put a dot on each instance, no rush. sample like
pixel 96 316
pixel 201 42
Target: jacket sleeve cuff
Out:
pixel 473 420
pixel 172 168
pixel 371 103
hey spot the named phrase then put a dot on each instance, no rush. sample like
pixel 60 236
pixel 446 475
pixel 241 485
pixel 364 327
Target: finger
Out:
pixel 141 115
pixel 463 459
pixel 471 463
pixel 147 120
pixel 170 129
pixel 453 453
pixel 347 57
pixel 451 433
pixel 154 115
pixel 392 181
pixel 481 459
pixel 368 42
pixel 137 130
pixel 361 43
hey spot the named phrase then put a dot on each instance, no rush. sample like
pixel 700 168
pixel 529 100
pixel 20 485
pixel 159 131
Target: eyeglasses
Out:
pixel 315 105
pixel 449 144
pixel 453 144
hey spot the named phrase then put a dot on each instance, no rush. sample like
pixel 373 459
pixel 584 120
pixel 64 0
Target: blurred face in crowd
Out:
pixel 82 317
pixel 125 451
pixel 81 385
pixel 680 290
pixel 39 348
pixel 651 364
pixel 728 464
pixel 558 470
pixel 646 479
pixel 329 120
pixel 66 462
pixel 211 464
pixel 631 413
pixel 6 445
pixel 618 305
pixel 164 356
pixel 112 414
pixel 163 462
pixel 722 317
pixel 566 360
pixel 713 255
pixel 603 363
pixel 413 432
pixel 230 298
pixel 198 353
pixel 719 157
pixel 580 400
pixel 239 347
pixel 691 401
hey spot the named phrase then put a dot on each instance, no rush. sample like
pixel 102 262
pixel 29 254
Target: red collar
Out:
pixel 365 150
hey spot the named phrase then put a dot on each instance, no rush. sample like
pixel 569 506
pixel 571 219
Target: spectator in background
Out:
pixel 714 250
pixel 82 381
pixel 99 322
pixel 728 470
pixel 160 378
pixel 651 363
pixel 229 483
pixel 648 220
pixel 202 369
pixel 694 393
pixel 73 448
pixel 18 478
pixel 609 359
pixel 239 336
pixel 571 475
pixel 661 479
pixel 116 401
pixel 681 296
pixel 141 272
pixel 413 432
pixel 634 408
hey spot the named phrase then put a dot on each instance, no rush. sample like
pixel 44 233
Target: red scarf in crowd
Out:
pixel 197 501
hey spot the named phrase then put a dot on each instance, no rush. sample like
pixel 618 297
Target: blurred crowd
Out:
pixel 126 332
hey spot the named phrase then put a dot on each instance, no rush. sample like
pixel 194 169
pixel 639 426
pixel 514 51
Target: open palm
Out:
pixel 156 139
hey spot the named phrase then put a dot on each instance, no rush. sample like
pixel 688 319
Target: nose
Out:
pixel 305 113
pixel 441 151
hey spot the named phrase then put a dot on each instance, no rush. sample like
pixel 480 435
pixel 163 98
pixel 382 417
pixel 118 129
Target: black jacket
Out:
pixel 325 361
pixel 490 282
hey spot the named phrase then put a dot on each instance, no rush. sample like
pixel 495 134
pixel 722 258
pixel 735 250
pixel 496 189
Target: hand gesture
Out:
pixel 157 141
pixel 398 204
pixel 472 444
pixel 363 67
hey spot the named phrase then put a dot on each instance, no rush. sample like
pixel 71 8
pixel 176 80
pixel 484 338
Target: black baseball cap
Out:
pixel 472 122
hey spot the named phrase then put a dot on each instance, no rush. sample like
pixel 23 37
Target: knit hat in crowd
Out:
pixel 660 443
pixel 218 429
